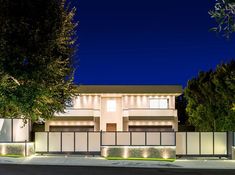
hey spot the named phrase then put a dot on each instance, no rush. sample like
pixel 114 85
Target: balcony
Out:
pixel 74 112
pixel 147 112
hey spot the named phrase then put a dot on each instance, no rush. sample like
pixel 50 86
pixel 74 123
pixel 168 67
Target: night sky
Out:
pixel 146 42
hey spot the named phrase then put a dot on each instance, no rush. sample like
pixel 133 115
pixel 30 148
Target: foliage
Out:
pixel 180 104
pixel 224 15
pixel 211 99
pixel 36 47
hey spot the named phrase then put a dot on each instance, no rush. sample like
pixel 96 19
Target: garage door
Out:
pixel 151 128
pixel 72 128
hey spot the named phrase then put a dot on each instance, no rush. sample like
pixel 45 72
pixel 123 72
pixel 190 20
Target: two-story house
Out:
pixel 120 108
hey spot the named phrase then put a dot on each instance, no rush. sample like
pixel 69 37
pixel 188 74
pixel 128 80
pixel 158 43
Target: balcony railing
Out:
pixel 149 112
pixel 74 112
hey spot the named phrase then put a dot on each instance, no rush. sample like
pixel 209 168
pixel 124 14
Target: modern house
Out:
pixel 120 108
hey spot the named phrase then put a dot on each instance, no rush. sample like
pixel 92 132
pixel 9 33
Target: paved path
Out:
pixel 98 161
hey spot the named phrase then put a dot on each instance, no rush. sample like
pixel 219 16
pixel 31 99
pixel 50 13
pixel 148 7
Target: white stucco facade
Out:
pixel 143 109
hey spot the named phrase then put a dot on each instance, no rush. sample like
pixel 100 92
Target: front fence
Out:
pixel 138 139
pixel 55 142
pixel 186 143
pixel 15 137
pixel 79 142
pixel 202 143
pixel 14 130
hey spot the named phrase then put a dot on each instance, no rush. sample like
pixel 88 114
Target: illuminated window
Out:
pixel 160 103
pixel 111 106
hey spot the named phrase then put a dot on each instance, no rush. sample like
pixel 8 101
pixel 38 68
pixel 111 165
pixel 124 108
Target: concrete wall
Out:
pixel 111 117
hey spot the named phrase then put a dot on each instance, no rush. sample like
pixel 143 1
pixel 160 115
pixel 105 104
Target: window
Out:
pixel 69 103
pixel 111 106
pixel 158 103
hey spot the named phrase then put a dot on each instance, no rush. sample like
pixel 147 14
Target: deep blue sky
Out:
pixel 146 42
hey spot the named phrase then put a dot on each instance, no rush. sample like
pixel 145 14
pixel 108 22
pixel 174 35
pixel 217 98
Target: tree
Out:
pixel 211 99
pixel 37 41
pixel 181 104
pixel 224 15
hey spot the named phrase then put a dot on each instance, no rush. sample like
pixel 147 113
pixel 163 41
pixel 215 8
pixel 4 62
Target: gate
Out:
pixel 202 144
pixel 67 142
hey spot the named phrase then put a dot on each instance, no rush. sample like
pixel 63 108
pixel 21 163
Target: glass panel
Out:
pixel 154 103
pixel 41 142
pixel 206 142
pixel 94 141
pixel 55 141
pixel 20 130
pixel 220 144
pixel 123 138
pixel 153 138
pixel 192 143
pixel 168 138
pixel 108 138
pixel 5 130
pixel 81 141
pixel 158 103
pixel 68 141
pixel 180 143
pixel 111 106
pixel 138 138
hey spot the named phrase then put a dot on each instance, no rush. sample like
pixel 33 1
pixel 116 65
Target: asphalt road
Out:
pixel 9 169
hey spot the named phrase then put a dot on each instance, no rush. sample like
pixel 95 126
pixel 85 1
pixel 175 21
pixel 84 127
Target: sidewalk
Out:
pixel 99 161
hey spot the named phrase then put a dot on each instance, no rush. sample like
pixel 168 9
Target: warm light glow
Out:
pixel 138 101
pixel 144 98
pixel 145 153
pixel 165 154
pixel 3 151
pixel 96 104
pixel 84 100
pixel 125 153
pixel 132 100
pixel 105 152
pixel 77 102
pixel 6 148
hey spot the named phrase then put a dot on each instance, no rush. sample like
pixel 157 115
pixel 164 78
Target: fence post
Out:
pixel 145 137
pixel 61 141
pixel 213 143
pixel 115 138
pixel 87 142
pixel 130 138
pixel 25 148
pixel 48 142
pixel 186 143
pixel 74 142
pixel 12 130
pixel 227 142
pixel 160 138
pixel 200 143
pixel 101 142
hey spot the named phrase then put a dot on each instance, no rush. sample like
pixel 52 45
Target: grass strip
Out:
pixel 144 159
pixel 11 155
